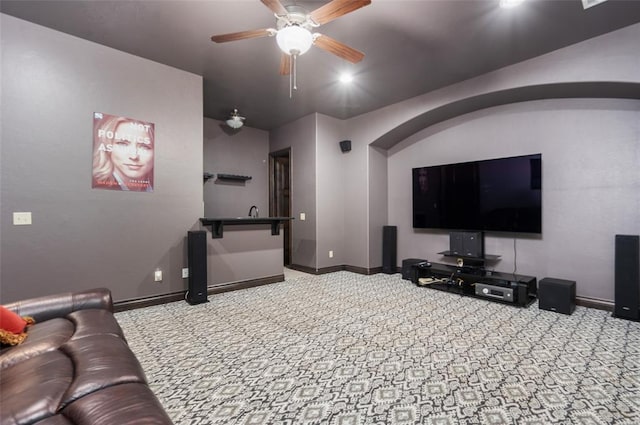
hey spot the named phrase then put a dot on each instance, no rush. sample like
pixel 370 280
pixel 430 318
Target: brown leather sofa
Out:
pixel 75 367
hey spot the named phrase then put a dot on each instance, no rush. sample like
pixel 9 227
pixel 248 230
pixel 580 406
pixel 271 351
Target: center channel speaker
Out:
pixel 627 277
pixel 467 244
pixel 389 249
pixel 197 261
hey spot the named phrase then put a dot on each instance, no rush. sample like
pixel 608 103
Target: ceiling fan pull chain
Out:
pixel 290 79
pixel 295 74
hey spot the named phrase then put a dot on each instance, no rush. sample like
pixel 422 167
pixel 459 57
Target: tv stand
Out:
pixel 514 289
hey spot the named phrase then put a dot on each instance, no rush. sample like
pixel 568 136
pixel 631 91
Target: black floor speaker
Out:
pixel 389 249
pixel 197 261
pixel 557 295
pixel 627 277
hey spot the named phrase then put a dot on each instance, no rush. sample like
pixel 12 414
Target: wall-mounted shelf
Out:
pixel 233 177
pixel 487 257
pixel 218 223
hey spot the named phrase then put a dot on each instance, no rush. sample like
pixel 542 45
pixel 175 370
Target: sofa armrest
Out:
pixel 59 305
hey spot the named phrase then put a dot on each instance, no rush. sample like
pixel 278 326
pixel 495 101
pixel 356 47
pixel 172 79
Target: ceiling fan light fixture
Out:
pixel 294 39
pixel 235 120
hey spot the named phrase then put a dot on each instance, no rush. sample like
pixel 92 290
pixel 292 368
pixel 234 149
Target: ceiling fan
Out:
pixel 293 32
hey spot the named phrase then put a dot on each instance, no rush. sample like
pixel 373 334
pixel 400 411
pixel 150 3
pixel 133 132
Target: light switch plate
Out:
pixel 157 276
pixel 185 272
pixel 21 218
pixel 303 216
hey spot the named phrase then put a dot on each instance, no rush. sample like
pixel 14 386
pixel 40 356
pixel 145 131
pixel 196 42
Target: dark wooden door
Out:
pixel 280 195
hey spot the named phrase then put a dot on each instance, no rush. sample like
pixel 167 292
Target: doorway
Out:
pixel 280 195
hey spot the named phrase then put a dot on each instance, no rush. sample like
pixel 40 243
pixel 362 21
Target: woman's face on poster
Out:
pixel 132 154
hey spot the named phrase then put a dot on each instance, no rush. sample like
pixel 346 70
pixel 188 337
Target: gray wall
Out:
pixel 356 199
pixel 246 252
pixel 330 178
pixel 80 237
pixel 246 153
pixel 300 136
pixel 378 195
pixel 612 58
pixel 591 184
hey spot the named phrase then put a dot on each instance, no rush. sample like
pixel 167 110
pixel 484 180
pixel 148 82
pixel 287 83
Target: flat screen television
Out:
pixel 499 195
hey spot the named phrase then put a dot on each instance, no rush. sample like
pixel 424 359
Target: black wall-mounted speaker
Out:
pixel 389 249
pixel 197 261
pixel 345 146
pixel 557 295
pixel 627 277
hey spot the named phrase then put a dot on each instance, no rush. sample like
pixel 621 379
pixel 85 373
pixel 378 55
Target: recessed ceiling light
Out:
pixel 346 78
pixel 507 4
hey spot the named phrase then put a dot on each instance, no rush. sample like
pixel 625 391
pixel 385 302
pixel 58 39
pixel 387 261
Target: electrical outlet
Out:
pixel 185 272
pixel 157 276
pixel 330 254
pixel 21 218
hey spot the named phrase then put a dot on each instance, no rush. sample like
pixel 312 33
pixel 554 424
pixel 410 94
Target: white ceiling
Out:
pixel 411 46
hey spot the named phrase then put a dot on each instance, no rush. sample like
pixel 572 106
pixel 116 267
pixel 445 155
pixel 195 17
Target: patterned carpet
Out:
pixel 345 348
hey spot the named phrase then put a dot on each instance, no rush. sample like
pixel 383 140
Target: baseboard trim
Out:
pixel 343 267
pixel 252 283
pixel 179 296
pixel 363 270
pixel 303 269
pixel 594 303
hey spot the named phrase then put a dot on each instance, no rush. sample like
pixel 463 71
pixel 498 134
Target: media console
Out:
pixel 476 282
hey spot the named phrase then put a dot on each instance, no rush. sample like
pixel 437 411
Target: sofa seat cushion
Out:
pixel 31 390
pixel 43 337
pixel 126 404
pixel 100 361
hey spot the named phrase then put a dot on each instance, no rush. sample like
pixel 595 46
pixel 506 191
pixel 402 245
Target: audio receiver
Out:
pixel 496 292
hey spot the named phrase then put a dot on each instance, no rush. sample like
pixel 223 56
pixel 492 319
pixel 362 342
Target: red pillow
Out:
pixel 12 327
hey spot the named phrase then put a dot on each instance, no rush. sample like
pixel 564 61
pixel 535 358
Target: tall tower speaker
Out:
pixel 389 249
pixel 197 261
pixel 627 277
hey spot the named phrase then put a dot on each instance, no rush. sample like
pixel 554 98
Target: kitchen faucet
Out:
pixel 253 214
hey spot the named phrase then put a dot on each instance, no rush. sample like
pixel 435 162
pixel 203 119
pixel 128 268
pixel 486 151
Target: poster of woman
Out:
pixel 123 153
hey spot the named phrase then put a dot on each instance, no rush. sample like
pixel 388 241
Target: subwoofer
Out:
pixel 627 277
pixel 557 295
pixel 389 249
pixel 197 261
pixel 408 269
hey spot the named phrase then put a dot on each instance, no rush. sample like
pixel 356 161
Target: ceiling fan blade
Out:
pixel 339 49
pixel 275 6
pixel 336 9
pixel 285 64
pixel 242 35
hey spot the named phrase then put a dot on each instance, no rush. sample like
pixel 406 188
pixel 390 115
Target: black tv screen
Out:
pixel 501 195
